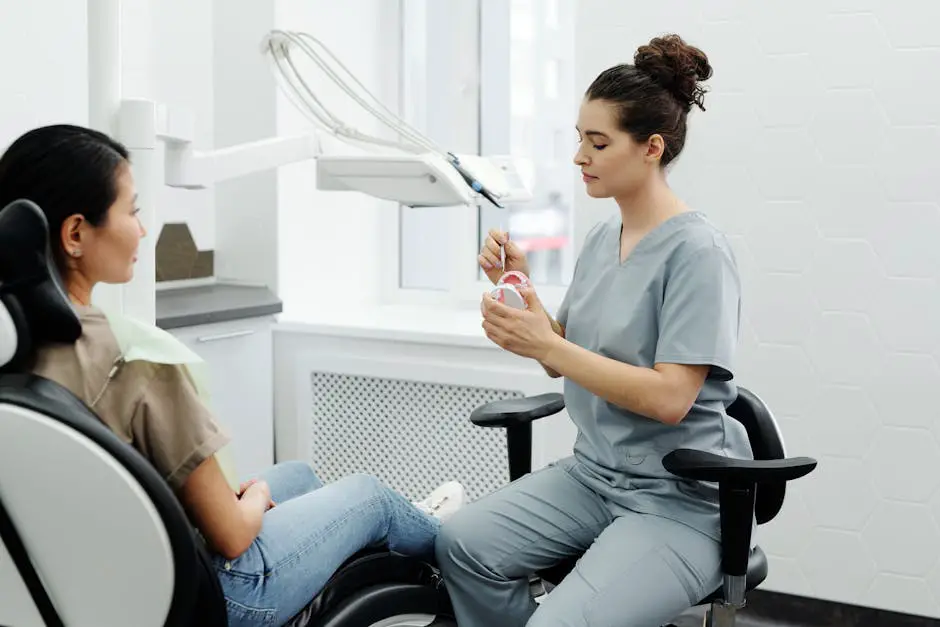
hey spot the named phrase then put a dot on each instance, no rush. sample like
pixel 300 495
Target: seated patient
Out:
pixel 277 539
pixel 645 339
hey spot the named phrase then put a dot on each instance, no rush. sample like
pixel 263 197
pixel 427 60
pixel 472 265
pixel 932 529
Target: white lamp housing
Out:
pixel 414 180
pixel 424 180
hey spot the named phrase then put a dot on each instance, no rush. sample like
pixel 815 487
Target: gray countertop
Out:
pixel 218 302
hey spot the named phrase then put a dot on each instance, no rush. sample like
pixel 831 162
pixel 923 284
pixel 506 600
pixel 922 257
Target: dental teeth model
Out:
pixel 507 290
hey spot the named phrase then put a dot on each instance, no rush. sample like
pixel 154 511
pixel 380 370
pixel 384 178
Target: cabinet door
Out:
pixel 239 358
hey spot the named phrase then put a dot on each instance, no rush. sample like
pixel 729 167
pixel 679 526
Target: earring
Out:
pixel 76 253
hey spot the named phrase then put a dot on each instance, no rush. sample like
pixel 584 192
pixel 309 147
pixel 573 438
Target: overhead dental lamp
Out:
pixel 411 171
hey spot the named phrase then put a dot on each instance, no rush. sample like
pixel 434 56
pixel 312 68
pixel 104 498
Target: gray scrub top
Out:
pixel 676 299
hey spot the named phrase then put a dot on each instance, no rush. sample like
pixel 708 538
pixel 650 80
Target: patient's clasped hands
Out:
pixel 256 485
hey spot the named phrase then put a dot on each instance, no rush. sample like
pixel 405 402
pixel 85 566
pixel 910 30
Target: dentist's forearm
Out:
pixel 560 332
pixel 643 391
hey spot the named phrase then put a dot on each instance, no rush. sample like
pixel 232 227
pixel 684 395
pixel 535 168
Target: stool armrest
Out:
pixel 516 411
pixel 738 481
pixel 703 466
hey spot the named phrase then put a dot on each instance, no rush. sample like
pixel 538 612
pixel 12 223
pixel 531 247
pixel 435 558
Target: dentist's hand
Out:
pixel 489 256
pixel 527 333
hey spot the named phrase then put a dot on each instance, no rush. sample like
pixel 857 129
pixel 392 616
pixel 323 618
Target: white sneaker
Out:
pixel 443 502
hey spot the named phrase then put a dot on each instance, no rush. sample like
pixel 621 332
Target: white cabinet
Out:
pixel 239 357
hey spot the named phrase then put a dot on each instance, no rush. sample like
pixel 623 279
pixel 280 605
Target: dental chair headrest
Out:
pixel 34 307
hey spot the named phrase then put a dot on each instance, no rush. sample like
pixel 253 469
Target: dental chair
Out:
pixel 91 535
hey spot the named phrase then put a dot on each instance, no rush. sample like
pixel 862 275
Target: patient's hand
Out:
pixel 243 488
pixel 245 485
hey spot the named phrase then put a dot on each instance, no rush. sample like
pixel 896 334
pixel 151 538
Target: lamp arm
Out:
pixel 193 169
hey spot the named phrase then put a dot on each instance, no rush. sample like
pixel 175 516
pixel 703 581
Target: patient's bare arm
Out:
pixel 229 523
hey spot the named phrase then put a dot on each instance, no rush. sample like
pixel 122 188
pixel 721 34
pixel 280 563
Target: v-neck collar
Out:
pixel 655 235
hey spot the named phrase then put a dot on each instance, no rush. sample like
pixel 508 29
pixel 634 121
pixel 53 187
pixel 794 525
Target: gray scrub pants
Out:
pixel 638 571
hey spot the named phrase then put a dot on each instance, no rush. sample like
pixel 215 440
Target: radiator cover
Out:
pixel 413 435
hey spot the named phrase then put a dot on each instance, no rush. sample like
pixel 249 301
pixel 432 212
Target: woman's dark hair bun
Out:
pixel 677 66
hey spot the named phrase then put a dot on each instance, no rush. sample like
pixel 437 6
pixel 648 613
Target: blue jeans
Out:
pixel 313 529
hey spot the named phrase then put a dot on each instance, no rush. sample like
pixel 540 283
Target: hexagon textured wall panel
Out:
pixel 819 153
pixel 177 256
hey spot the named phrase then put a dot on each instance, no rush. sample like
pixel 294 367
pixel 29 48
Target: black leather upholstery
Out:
pixel 28 271
pixel 50 399
pixel 766 444
pixel 372 585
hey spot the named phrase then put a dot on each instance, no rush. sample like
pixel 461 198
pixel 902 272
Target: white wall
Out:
pixel 45 78
pixel 167 56
pixel 244 110
pixel 818 152
pixel 328 242
pixel 183 76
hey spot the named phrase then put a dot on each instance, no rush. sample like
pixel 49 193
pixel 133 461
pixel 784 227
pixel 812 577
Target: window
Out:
pixel 538 96
pixel 491 77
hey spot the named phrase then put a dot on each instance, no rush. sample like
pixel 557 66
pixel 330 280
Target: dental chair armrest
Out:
pixel 512 412
pixel 703 466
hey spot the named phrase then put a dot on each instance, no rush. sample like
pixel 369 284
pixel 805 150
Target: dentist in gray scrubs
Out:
pixel 645 339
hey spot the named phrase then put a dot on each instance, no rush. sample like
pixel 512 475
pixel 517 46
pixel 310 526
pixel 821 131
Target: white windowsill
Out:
pixel 423 323
pixel 403 323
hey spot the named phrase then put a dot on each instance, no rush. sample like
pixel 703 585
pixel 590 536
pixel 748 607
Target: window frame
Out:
pixel 477 103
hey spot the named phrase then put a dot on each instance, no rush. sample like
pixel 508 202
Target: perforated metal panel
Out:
pixel 412 435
